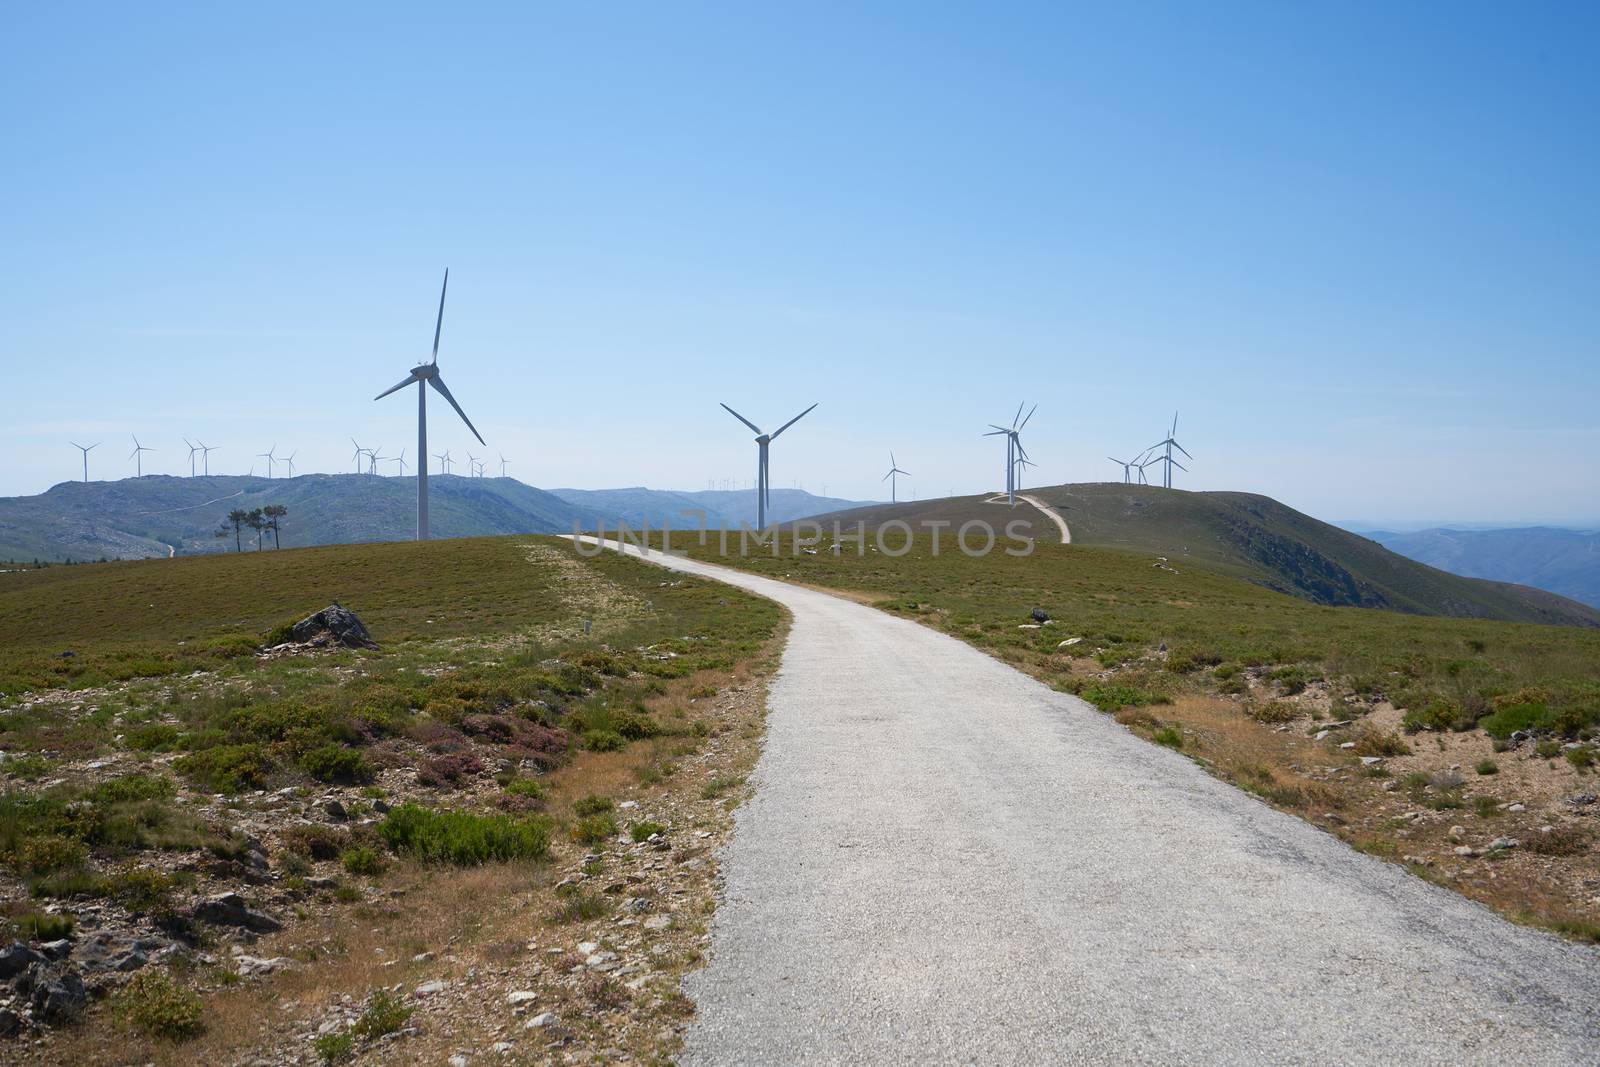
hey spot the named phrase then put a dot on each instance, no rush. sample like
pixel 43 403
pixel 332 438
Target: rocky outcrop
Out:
pixel 333 625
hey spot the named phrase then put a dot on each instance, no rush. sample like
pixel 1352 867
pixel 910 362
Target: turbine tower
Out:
pixel 137 455
pixel 763 440
pixel 894 469
pixel 355 457
pixel 205 456
pixel 1169 444
pixel 425 376
pixel 472 465
pixel 444 461
pixel 401 459
pixel 85 452
pixel 289 459
pixel 1127 466
pixel 1013 436
pixel 192 450
pixel 267 455
pixel 502 464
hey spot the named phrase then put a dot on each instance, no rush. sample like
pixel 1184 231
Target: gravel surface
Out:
pixel 945 861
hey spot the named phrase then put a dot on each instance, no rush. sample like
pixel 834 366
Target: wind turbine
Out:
pixel 1170 443
pixel 85 452
pixel 1023 462
pixel 400 459
pixel 763 440
pixel 137 455
pixel 289 459
pixel 1127 467
pixel 205 456
pixel 444 461
pixel 502 464
pixel 894 469
pixel 358 453
pixel 1013 436
pixel 1152 461
pixel 267 455
pixel 192 450
pixel 374 456
pixel 426 375
pixel 472 465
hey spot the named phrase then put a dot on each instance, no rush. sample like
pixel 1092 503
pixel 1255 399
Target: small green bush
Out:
pixel 1273 712
pixel 1170 736
pixel 337 1047
pixel 385 1014
pixel 336 763
pixel 1113 696
pixel 1581 758
pixel 153 1003
pixel 604 741
pixel 524 787
pixel 315 841
pixel 1507 721
pixel 582 906
pixel 717 786
pixel 593 805
pixel 463 839
pixel 1488 766
pixel 594 829
pixel 152 737
pixel 227 768
pixel 641 831
pixel 363 860
pixel 44 926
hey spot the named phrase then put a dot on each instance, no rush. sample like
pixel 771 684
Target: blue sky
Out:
pixel 1356 245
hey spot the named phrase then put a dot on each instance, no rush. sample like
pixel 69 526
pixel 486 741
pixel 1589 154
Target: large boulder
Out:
pixel 58 993
pixel 16 958
pixel 229 909
pixel 339 624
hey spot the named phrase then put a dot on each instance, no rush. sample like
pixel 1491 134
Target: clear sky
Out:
pixel 1355 244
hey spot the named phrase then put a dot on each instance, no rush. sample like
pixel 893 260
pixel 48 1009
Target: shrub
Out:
pixel 1274 712
pixel 315 841
pixel 153 1003
pixel 1170 736
pixel 604 740
pixel 524 787
pixel 641 831
pixel 1291 680
pixel 363 860
pixel 1374 742
pixel 449 769
pixel 592 805
pixel 336 763
pixel 44 926
pixel 227 768
pixel 151 737
pixel 1486 807
pixel 385 1014
pixel 717 786
pixel 1111 697
pixel 336 1047
pixel 142 891
pixel 1508 720
pixel 1436 715
pixel 582 906
pixel 464 839
pixel 1581 758
pixel 1548 749
pixel 1488 766
pixel 1568 840
pixel 594 829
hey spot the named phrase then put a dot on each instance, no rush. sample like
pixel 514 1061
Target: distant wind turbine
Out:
pixel 1127 466
pixel 205 456
pixel 192 450
pixel 763 441
pixel 358 454
pixel 289 459
pixel 502 464
pixel 374 456
pixel 472 465
pixel 137 455
pixel 894 469
pixel 425 376
pixel 267 455
pixel 1013 436
pixel 1169 444
pixel 401 460
pixel 85 452
pixel 444 461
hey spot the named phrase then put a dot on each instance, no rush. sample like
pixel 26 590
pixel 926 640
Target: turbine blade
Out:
pixel 393 388
pixel 1180 466
pixel 1018 415
pixel 742 419
pixel 1180 448
pixel 886 477
pixel 439 324
pixel 1030 415
pixel 791 422
pixel 438 384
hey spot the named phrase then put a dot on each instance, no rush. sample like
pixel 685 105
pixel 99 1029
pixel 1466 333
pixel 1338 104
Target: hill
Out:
pixel 1253 537
pixel 1562 561
pixel 160 515
pixel 727 507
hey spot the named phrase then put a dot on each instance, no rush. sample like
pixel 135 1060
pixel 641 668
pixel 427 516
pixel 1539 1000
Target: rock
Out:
pixel 10 1023
pixel 1502 842
pixel 381 807
pixel 428 989
pixel 16 958
pixel 657 922
pixel 322 882
pixel 1516 807
pixel 250 966
pixel 636 905
pixel 56 950
pixel 1320 735
pixel 1069 642
pixel 543 1021
pixel 1457 833
pixel 1039 615
pixel 229 909
pixel 1581 800
pixel 336 811
pixel 1334 817
pixel 1028 626
pixel 58 995
pixel 501 1047
pixel 337 622
pixel 131 960
pixel 518 997
pixel 1371 761
pixel 458 1060
pixel 1466 850
pixel 1389 786
pixel 588 948
pixel 1347 744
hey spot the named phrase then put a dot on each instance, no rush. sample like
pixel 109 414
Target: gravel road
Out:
pixel 944 861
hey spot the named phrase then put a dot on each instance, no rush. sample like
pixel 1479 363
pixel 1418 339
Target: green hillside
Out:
pixel 1253 537
pixel 160 515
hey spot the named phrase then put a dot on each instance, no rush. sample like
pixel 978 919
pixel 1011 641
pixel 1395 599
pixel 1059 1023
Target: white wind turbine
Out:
pixel 289 459
pixel 894 469
pixel 425 376
pixel 401 460
pixel 1127 466
pixel 763 441
pixel 357 456
pixel 1169 444
pixel 444 461
pixel 1014 449
pixel 85 452
pixel 205 456
pixel 192 450
pixel 267 455
pixel 472 465
pixel 373 458
pixel 502 464
pixel 137 455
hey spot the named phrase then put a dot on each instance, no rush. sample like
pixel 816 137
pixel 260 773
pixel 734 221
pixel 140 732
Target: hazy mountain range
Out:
pixel 160 515
pixel 1562 561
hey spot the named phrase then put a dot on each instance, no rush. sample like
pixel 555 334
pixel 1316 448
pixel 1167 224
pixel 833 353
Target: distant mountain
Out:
pixel 1561 561
pixel 1256 538
pixel 159 515
pixel 727 507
